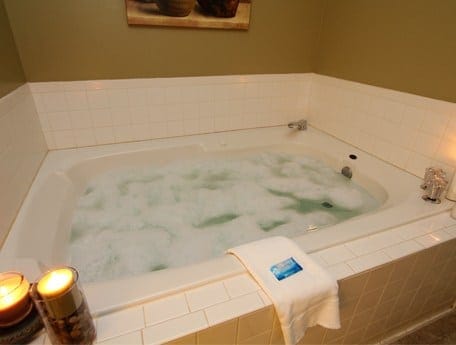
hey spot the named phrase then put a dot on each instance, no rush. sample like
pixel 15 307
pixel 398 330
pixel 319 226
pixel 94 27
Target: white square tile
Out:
pixel 134 338
pixel 59 120
pixel 175 328
pixel 426 144
pixel 45 126
pixel 64 139
pixel 340 271
pixel 318 259
pixel 140 132
pixel 191 127
pixel 433 238
pixel 434 123
pixel 123 133
pixel 54 101
pixel 190 111
pixel 97 99
pixel 175 128
pixel 411 231
pixel 76 100
pixel 240 285
pixel 120 323
pixel 233 308
pixel 365 262
pixel 451 231
pixel 118 98
pixel 158 130
pixel 138 97
pixel 121 116
pixel 403 249
pixel 104 135
pixel 174 112
pixel 157 113
pixel 39 103
pixel 84 137
pixel 155 95
pixel 165 309
pixel 80 119
pixel 101 117
pixel 139 115
pixel 49 137
pixel 373 243
pixel 336 254
pixel 206 125
pixel 206 296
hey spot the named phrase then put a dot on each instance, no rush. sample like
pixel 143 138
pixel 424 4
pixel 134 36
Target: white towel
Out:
pixel 304 299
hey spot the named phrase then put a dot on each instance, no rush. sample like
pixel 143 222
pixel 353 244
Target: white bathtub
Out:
pixel 41 230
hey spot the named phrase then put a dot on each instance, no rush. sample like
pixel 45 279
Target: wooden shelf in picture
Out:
pixel 140 12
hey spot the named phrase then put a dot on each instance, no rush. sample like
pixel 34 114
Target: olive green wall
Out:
pixel 11 74
pixel 406 45
pixel 87 39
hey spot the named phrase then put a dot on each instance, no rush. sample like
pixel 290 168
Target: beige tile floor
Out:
pixel 442 331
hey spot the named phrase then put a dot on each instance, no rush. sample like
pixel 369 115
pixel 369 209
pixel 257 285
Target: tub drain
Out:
pixel 326 204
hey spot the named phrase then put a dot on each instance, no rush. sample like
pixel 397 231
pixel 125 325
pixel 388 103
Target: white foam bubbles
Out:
pixel 136 220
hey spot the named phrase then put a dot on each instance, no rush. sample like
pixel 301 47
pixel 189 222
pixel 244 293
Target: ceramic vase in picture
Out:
pixel 220 8
pixel 175 8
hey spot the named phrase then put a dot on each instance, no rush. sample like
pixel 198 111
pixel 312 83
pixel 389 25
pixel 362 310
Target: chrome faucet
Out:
pixel 435 182
pixel 301 125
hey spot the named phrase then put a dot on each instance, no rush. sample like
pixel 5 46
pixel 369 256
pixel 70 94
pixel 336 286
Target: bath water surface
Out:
pixel 136 220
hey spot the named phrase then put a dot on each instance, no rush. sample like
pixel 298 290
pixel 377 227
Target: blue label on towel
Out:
pixel 285 268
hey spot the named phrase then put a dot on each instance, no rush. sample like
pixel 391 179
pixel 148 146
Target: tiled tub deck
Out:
pixel 388 282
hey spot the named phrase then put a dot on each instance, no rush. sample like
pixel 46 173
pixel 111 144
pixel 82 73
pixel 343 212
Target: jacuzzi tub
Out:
pixel 41 230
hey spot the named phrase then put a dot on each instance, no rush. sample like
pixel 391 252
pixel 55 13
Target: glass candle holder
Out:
pixel 63 307
pixel 15 303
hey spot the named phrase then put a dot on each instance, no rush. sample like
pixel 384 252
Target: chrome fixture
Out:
pixel 301 125
pixel 347 172
pixel 434 183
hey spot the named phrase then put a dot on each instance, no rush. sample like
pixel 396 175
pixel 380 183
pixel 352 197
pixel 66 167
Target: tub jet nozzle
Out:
pixel 347 172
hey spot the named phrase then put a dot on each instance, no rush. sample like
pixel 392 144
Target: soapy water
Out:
pixel 136 220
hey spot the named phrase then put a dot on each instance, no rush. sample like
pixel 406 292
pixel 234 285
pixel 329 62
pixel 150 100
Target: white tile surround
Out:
pixel 409 131
pixel 239 297
pixel 75 114
pixel 22 148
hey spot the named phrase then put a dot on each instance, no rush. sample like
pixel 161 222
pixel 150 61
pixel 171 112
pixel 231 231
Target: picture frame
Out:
pixel 155 12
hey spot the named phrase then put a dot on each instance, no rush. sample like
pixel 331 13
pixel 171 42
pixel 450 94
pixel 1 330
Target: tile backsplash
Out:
pixel 22 148
pixel 86 113
pixel 409 131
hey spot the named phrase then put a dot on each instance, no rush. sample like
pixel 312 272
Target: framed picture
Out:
pixel 217 14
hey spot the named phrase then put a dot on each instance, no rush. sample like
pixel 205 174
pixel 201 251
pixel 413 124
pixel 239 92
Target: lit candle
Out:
pixel 15 302
pixel 63 308
pixel 55 283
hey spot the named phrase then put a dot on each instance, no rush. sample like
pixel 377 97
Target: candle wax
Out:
pixel 55 283
pixel 14 298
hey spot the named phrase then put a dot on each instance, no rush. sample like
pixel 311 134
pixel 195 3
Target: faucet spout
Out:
pixel 300 125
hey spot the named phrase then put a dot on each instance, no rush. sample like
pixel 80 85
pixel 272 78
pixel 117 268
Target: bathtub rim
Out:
pixel 221 141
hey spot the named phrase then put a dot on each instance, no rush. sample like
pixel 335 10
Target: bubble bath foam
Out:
pixel 135 220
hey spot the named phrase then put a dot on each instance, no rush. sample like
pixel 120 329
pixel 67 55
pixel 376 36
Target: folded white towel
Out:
pixel 304 299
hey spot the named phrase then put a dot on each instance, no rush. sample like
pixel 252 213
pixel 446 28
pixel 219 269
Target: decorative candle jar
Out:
pixel 15 303
pixel 63 308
